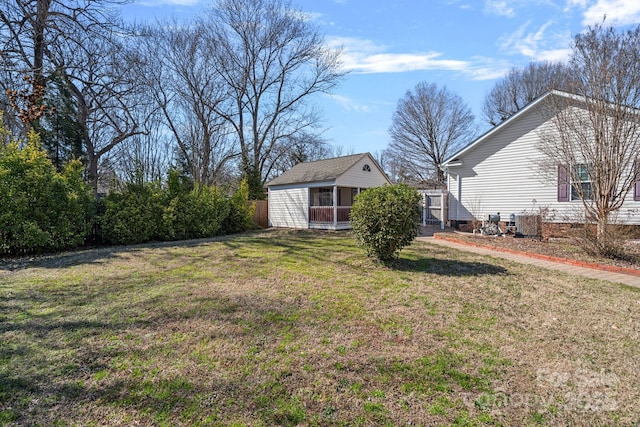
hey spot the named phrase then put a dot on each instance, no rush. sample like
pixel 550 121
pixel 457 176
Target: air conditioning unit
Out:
pixel 529 225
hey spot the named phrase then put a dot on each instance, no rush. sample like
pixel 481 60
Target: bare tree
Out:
pixel 521 86
pixel 106 92
pixel 84 45
pixel 32 29
pixel 146 157
pixel 429 125
pixel 595 136
pixel 184 84
pixel 272 61
pixel 299 148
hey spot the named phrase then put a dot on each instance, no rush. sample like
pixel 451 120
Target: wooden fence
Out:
pixel 261 215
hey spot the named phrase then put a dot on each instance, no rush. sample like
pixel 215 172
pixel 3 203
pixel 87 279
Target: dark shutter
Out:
pixel 636 188
pixel 564 193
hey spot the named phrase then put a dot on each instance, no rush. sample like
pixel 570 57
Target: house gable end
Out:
pixel 365 173
pixel 505 125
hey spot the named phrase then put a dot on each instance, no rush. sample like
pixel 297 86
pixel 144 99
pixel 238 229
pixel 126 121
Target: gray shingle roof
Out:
pixel 320 170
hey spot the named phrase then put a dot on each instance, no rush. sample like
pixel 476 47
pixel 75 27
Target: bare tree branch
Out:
pixel 521 86
pixel 429 125
pixel 272 61
pixel 596 133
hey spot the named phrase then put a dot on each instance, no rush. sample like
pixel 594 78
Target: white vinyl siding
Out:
pixel 505 174
pixel 289 207
pixel 356 177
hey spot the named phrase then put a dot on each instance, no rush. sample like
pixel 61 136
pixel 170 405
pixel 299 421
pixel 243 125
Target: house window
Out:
pixel 582 184
pixel 322 197
pixel 366 168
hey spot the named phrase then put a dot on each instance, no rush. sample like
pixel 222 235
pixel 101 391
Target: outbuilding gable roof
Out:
pixel 320 170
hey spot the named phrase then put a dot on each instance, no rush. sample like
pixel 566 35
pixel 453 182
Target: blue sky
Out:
pixel 390 46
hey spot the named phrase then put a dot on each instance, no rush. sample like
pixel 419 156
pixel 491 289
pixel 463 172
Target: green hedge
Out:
pixel 133 215
pixel 146 212
pixel 40 209
pixel 44 210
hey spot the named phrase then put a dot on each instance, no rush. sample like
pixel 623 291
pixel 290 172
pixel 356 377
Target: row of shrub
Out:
pixel 148 212
pixel 43 210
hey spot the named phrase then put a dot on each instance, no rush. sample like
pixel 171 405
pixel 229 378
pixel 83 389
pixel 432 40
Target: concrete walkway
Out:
pixel 626 279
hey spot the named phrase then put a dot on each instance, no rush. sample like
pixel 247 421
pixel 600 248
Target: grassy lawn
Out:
pixel 300 328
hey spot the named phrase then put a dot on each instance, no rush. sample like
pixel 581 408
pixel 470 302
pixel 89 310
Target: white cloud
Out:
pixel 459 3
pixel 573 3
pixel 618 12
pixel 365 57
pixel 499 7
pixel 538 44
pixel 483 68
pixel 350 104
pixel 401 62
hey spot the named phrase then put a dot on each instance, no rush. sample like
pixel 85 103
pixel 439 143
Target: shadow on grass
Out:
pixel 67 259
pixel 291 241
pixel 452 268
pixel 44 326
pixel 111 363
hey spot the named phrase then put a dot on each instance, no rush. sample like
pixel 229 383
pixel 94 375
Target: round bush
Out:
pixel 385 220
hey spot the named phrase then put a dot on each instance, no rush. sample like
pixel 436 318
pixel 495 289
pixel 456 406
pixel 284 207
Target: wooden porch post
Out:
pixel 335 206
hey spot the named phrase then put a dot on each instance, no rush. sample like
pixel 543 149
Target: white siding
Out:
pixel 504 174
pixel 289 207
pixel 358 178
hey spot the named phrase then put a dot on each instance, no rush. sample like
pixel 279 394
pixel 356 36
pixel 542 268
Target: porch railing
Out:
pixel 343 213
pixel 324 214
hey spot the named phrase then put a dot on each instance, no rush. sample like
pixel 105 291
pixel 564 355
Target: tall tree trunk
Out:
pixel 92 170
pixel 602 232
pixel 42 14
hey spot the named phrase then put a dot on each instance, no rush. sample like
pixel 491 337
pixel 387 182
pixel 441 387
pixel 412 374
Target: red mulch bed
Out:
pixel 564 248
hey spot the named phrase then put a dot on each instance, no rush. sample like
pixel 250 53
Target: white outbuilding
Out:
pixel 320 194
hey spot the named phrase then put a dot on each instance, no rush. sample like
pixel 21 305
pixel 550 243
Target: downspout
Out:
pixel 458 198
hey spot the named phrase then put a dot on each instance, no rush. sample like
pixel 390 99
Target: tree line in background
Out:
pixel 221 98
pixel 226 95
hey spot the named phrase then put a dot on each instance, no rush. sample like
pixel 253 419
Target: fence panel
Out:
pixel 261 215
pixel 434 207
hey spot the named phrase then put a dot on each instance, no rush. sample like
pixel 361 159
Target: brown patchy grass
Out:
pixel 299 328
